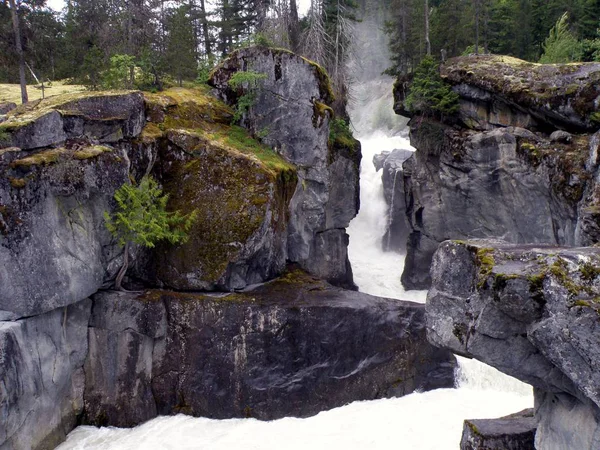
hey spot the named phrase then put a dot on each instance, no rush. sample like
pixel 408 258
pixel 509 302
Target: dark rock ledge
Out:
pixel 292 347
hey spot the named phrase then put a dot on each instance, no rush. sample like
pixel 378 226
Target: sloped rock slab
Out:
pixel 514 432
pixel 293 347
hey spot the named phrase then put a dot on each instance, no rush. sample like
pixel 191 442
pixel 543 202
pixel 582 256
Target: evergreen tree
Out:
pixel 142 218
pixel 561 46
pixel 181 51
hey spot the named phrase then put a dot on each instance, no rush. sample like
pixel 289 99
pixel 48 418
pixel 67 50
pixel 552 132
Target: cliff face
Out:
pixel 122 358
pixel 292 115
pixel 519 162
pixel 531 312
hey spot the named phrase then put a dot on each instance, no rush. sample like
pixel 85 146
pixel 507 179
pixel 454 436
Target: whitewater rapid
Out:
pixel 420 421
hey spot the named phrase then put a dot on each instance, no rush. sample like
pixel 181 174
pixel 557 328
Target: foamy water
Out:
pixel 420 421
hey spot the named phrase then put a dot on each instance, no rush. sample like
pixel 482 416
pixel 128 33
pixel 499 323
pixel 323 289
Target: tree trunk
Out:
pixel 206 35
pixel 477 14
pixel 19 48
pixel 294 27
pixel 427 41
pixel 123 270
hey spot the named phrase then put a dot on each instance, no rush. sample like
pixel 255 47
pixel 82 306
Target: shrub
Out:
pixel 428 94
pixel 247 82
pixel 142 218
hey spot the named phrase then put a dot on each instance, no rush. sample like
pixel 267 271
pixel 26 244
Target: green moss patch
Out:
pixel 182 108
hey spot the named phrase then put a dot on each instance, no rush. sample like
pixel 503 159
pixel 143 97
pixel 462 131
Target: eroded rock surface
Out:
pixel 514 432
pixel 531 312
pixel 54 247
pixel 41 377
pixel 397 229
pixel 518 162
pixel 292 347
pixel 291 112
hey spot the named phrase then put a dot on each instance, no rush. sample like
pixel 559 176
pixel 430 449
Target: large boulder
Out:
pixel 292 116
pixel 514 432
pixel 531 312
pixel 292 347
pixel 239 189
pixel 105 117
pixel 397 229
pixel 54 248
pixel 506 183
pixel 42 377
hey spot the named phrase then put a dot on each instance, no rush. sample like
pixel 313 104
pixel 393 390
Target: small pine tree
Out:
pixel 561 46
pixel 248 82
pixel 142 218
pixel 428 94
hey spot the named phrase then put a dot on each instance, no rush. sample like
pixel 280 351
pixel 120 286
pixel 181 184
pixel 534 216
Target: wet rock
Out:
pixel 379 159
pixel 326 197
pixel 118 367
pixel 531 312
pixel 397 229
pixel 292 347
pixel 514 432
pixel 42 377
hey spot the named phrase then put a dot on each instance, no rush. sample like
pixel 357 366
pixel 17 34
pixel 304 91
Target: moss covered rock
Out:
pixel 505 91
pixel 241 195
pixel 292 114
pixel 103 117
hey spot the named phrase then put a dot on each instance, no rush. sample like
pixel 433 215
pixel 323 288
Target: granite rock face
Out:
pixel 41 377
pixel 54 248
pixel 292 347
pixel 518 162
pixel 291 112
pixel 532 313
pixel 514 432
pixel 505 91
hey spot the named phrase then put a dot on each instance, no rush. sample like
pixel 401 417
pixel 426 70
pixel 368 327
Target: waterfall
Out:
pixel 419 421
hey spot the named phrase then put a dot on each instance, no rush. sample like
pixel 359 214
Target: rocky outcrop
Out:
pixel 514 432
pixel 292 347
pixel 42 377
pixel 505 91
pixel 240 190
pixel 292 116
pixel 518 162
pixel 106 118
pixel 54 248
pixel 397 229
pixel 531 312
